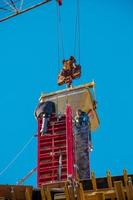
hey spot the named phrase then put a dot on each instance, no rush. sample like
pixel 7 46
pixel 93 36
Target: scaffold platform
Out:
pixel 106 188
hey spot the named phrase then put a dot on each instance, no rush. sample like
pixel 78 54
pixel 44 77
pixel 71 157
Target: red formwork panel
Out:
pixel 56 150
pixel 70 144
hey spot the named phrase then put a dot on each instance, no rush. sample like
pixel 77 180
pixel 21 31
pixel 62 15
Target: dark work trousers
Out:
pixel 82 151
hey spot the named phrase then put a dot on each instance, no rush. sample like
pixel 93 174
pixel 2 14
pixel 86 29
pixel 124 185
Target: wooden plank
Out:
pixel 125 177
pixel 100 196
pixel 109 180
pixel 43 195
pixel 48 194
pixel 101 182
pixel 18 192
pixel 66 191
pixel 95 196
pixel 28 194
pixel 90 197
pixel 109 194
pixel 58 184
pixel 60 196
pixel 129 189
pixel 87 85
pixel 93 178
pixel 79 191
pixel 119 190
pixel 13 197
pixel 71 192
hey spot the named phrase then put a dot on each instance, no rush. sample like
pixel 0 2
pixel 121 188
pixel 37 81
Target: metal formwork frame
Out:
pixel 69 146
pixel 70 143
pixel 38 152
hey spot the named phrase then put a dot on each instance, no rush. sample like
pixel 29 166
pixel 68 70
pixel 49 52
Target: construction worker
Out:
pixel 83 119
pixel 83 143
pixel 44 111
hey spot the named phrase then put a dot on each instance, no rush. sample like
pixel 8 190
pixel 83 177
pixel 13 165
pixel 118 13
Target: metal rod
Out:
pixel 21 181
pixel 25 10
pixel 14 6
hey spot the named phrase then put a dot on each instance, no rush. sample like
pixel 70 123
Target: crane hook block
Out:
pixel 70 71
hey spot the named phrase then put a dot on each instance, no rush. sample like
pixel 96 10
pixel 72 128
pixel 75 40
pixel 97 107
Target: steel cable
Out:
pixel 77 31
pixel 17 155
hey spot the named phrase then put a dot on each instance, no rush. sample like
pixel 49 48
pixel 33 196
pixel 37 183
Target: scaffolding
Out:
pixel 13 8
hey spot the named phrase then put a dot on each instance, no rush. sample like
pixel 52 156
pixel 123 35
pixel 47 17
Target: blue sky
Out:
pixel 29 66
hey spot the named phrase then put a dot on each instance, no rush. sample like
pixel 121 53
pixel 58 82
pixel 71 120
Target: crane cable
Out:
pixel 77 31
pixel 16 157
pixel 59 35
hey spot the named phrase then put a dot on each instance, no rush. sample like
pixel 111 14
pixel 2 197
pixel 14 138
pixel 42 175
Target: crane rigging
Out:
pixel 70 71
pixel 73 113
pixel 64 143
pixel 13 8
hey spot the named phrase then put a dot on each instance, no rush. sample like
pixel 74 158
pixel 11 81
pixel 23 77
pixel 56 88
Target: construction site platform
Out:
pixel 106 188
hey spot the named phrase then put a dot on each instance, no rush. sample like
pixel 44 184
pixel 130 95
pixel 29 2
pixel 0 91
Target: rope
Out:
pixel 21 4
pixel 78 8
pixel 77 32
pixel 58 44
pixel 14 6
pixel 59 35
pixel 10 6
pixel 16 157
pixel 61 30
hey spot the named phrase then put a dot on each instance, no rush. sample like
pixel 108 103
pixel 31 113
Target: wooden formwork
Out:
pixel 107 188
pixel 13 192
